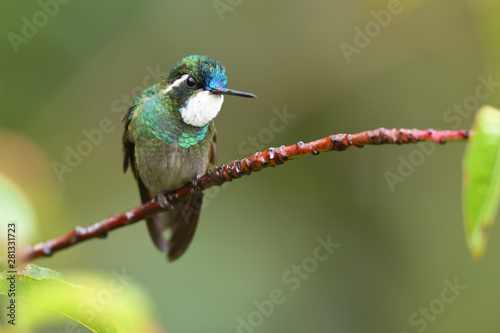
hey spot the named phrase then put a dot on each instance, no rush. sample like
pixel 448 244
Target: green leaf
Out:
pixel 111 305
pixel 16 207
pixel 481 179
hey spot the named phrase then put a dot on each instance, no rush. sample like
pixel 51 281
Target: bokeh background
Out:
pixel 398 244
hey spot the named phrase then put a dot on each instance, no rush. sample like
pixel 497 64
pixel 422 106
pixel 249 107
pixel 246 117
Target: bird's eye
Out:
pixel 190 82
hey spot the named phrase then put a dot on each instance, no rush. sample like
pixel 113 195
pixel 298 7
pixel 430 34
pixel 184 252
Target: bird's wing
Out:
pixel 128 143
pixel 183 224
pixel 156 224
pixel 213 150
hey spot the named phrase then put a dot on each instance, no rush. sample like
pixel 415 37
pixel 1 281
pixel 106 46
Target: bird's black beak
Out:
pixel 225 91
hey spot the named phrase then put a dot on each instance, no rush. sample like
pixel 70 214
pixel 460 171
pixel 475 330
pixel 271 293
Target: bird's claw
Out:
pixel 164 202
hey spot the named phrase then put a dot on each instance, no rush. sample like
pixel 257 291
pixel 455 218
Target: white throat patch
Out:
pixel 201 108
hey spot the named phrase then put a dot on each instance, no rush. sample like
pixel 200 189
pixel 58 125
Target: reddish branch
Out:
pixel 237 169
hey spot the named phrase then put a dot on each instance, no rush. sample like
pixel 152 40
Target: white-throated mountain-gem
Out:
pixel 169 139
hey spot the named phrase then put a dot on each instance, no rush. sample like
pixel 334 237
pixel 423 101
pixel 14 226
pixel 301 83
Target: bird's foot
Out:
pixel 163 201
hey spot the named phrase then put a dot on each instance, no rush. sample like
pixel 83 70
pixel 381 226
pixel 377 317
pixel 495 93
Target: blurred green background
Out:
pixel 398 245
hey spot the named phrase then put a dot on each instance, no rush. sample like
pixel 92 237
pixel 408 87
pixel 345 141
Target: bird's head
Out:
pixel 196 85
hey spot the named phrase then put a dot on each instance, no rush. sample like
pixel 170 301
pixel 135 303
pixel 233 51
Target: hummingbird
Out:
pixel 169 139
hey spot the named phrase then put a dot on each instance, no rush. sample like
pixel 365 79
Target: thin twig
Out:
pixel 236 169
